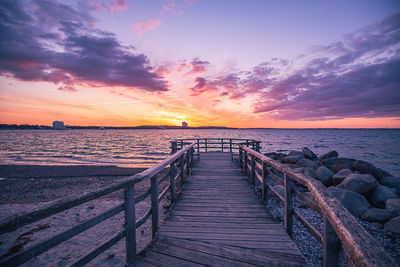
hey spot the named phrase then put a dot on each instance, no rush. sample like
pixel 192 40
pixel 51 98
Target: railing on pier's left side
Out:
pixel 341 232
pixel 180 164
pixel 230 145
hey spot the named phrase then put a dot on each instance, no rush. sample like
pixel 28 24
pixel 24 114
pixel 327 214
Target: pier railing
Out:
pixel 341 232
pixel 180 165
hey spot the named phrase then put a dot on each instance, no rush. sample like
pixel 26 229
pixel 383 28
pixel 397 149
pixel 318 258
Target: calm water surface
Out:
pixel 142 148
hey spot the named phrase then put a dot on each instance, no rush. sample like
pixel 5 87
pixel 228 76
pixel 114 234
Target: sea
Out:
pixel 143 148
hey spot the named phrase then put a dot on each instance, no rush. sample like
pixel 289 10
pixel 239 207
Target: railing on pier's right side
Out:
pixel 180 164
pixel 230 145
pixel 341 232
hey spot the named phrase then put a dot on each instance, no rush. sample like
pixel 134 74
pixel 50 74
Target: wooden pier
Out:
pixel 218 220
pixel 218 217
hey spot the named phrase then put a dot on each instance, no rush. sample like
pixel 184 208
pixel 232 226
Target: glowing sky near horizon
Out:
pixel 254 63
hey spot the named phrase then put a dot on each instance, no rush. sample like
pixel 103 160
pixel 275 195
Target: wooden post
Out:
pixel 174 147
pixel 288 218
pixel 154 205
pixel 222 144
pixel 191 158
pixel 230 148
pixel 264 182
pixel 257 146
pixel 240 158
pixel 172 174
pixel 253 170
pixel 205 144
pixel 331 245
pixel 181 143
pixel 182 169
pixel 245 162
pixel 130 222
pixel 198 149
pixel 187 163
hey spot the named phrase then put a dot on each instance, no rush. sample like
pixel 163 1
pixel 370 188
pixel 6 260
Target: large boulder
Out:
pixel 366 167
pixel 381 194
pixel 307 171
pixel 328 162
pixel 307 163
pixel 324 175
pixel 393 225
pixel 342 163
pixel 394 205
pixel 337 178
pixel 292 159
pixel 330 154
pixel 308 154
pixel 355 203
pixel 359 183
pixel 390 181
pixel 377 215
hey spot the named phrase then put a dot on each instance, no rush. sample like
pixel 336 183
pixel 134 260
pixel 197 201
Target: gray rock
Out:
pixel 328 162
pixel 355 203
pixel 366 167
pixel 359 183
pixel 393 203
pixel 292 159
pixel 298 170
pixel 377 215
pixel 330 154
pixel 307 171
pixel 342 163
pixel 307 163
pixel 381 194
pixel 295 153
pixel 390 181
pixel 308 154
pixel 324 175
pixel 340 176
pixel 393 225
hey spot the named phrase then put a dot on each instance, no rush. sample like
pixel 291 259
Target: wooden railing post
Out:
pixel 172 174
pixel 264 180
pixel 257 146
pixel 130 222
pixel 222 144
pixel 245 162
pixel 331 245
pixel 174 147
pixel 230 148
pixel 187 163
pixel 253 170
pixel 198 149
pixel 182 169
pixel 288 216
pixel 154 205
pixel 191 158
pixel 240 158
pixel 205 144
pixel 181 143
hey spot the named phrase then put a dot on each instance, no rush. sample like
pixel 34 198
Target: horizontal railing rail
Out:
pixel 180 164
pixel 341 231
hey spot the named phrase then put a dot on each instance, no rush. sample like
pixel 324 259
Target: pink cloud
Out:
pixel 171 7
pixel 118 5
pixel 145 26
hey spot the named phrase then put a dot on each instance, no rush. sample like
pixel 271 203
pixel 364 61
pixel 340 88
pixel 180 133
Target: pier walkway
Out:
pixel 218 220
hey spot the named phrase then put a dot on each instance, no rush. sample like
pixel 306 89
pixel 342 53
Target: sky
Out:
pixel 249 64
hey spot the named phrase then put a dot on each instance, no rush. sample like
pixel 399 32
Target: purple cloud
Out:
pixel 45 41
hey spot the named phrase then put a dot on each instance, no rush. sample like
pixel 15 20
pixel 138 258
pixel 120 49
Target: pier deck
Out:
pixel 219 220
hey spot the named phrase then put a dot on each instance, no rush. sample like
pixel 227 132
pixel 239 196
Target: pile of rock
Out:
pixel 368 192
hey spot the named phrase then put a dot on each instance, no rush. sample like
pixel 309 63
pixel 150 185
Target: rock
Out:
pixel 307 171
pixel 328 162
pixel 393 225
pixel 298 170
pixel 308 154
pixel 377 215
pixel 340 176
pixel 330 154
pixel 393 203
pixel 359 183
pixel 376 224
pixel 279 189
pixel 355 203
pixel 390 181
pixel 295 153
pixel 275 155
pixel 365 167
pixel 342 163
pixel 307 163
pixel 381 194
pixel 292 159
pixel 324 175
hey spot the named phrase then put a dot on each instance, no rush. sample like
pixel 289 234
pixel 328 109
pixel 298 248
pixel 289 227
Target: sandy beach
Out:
pixel 24 188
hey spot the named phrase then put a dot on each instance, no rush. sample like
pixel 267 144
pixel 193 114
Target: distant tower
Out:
pixel 184 124
pixel 58 125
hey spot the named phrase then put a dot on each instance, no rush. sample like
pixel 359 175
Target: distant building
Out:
pixel 59 125
pixel 184 124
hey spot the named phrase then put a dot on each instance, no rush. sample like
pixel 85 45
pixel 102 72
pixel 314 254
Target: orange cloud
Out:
pixel 145 26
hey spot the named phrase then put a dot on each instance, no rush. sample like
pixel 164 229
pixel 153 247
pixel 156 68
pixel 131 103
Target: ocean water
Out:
pixel 142 148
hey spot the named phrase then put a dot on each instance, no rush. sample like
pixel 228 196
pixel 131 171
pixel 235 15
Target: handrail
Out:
pixel 182 158
pixel 340 228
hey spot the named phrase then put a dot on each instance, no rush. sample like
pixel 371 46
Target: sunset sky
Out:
pixel 237 63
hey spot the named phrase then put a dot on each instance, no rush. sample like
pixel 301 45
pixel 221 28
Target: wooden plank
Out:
pixel 230 225
pixel 161 259
pixel 219 230
pixel 227 236
pixel 244 214
pixel 220 219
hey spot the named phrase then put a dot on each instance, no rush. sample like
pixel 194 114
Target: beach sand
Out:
pixel 29 187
